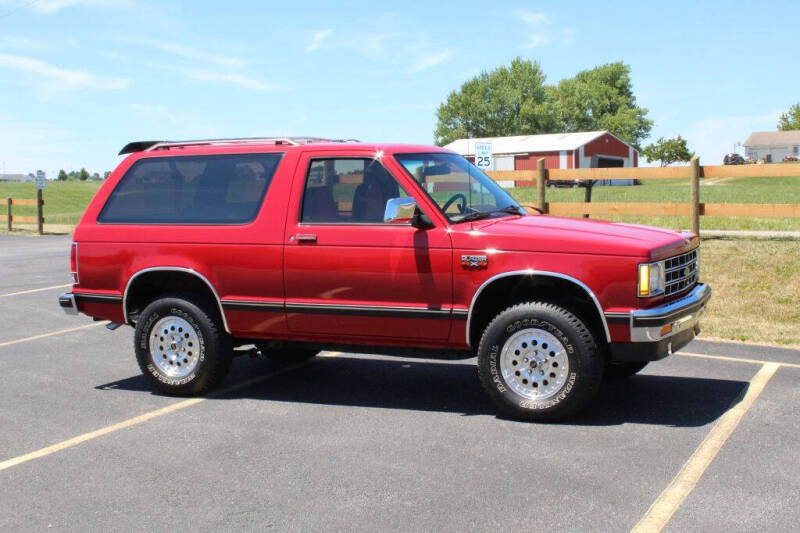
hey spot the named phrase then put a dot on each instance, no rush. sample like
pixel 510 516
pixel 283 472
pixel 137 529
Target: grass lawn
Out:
pixel 64 201
pixel 756 286
pixel 739 190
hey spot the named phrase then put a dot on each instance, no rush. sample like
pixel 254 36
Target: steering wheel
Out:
pixel 456 196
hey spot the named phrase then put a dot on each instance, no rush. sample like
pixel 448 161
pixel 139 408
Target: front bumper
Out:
pixel 67 303
pixel 659 331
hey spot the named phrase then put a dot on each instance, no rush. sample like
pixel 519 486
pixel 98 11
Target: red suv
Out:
pixel 293 246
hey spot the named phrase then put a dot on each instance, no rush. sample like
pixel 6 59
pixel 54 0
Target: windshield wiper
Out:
pixel 478 215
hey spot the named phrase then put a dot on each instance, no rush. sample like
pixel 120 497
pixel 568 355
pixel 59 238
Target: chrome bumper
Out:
pixel 659 323
pixel 67 303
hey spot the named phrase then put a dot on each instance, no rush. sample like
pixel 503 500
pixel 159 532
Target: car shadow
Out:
pixel 454 387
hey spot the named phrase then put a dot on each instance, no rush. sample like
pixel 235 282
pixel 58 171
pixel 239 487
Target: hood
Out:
pixel 575 235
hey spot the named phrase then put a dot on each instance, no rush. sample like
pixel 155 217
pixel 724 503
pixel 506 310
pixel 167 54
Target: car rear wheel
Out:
pixel 539 361
pixel 181 347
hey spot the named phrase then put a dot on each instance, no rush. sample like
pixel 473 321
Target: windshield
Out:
pixel 460 190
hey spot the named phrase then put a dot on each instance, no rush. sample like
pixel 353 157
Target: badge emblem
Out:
pixel 474 261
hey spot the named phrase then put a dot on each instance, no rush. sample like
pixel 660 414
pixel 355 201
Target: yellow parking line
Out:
pixel 675 494
pixel 737 359
pixel 51 334
pixel 74 441
pixel 29 291
pixel 63 445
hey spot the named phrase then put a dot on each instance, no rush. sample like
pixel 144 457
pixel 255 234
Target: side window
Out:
pixel 219 189
pixel 348 191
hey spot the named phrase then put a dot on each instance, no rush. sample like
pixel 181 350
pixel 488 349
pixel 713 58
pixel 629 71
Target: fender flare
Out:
pixel 533 273
pixel 172 269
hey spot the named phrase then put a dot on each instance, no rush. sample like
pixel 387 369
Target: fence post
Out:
pixel 587 193
pixel 40 211
pixel 541 179
pixel 8 213
pixel 694 206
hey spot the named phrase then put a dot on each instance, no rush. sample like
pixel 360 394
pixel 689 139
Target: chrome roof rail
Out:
pixel 148 146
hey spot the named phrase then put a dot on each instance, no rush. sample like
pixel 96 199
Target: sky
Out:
pixel 81 78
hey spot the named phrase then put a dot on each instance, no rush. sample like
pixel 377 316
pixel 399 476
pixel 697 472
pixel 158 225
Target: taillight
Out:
pixel 73 263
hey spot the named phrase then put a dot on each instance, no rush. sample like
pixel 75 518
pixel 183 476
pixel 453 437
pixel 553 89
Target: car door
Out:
pixel 348 274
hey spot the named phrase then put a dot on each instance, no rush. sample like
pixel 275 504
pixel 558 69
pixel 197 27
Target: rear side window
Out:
pixel 218 189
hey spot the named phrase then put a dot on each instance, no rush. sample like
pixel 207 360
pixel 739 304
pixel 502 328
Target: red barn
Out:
pixel 586 149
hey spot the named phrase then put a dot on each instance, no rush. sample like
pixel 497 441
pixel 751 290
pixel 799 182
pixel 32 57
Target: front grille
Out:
pixel 681 273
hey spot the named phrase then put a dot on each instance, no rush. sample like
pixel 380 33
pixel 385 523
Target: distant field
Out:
pixel 736 190
pixel 64 201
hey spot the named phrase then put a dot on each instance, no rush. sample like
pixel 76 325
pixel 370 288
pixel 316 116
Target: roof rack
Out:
pixel 147 146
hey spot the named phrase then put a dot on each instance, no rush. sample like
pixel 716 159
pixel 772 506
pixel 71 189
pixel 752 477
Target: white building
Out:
pixel 586 149
pixel 772 146
pixel 16 177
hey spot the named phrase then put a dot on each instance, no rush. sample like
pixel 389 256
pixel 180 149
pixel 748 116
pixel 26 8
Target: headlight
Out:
pixel 651 279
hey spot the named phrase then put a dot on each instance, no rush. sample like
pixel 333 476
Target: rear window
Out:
pixel 218 189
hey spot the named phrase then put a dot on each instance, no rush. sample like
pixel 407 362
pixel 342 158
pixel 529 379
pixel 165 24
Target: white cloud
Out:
pixel 429 60
pixel 397 50
pixel 530 17
pixel 536 39
pixel 541 31
pixel 229 78
pixel 370 46
pixel 317 39
pixel 49 7
pixel 13 41
pixel 189 53
pixel 66 78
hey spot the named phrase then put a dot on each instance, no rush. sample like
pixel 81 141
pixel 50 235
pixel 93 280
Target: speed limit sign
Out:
pixel 483 156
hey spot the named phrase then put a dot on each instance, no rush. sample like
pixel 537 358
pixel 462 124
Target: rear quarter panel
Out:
pixel 238 260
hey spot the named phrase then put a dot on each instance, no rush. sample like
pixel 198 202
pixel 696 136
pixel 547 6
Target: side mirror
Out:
pixel 405 210
pixel 420 220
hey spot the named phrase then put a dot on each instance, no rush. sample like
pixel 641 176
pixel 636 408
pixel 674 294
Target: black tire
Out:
pixel 213 355
pixel 278 353
pixel 580 347
pixel 622 370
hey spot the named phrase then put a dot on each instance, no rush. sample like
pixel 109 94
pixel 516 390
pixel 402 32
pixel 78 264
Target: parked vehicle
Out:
pixel 733 159
pixel 299 245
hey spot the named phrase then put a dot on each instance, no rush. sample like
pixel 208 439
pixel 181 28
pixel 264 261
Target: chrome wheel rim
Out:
pixel 174 347
pixel 534 364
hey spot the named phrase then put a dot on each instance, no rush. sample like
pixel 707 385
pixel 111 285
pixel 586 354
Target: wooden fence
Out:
pixel 10 217
pixel 694 172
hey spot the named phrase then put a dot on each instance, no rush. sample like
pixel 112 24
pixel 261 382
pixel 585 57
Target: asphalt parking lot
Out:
pixel 702 441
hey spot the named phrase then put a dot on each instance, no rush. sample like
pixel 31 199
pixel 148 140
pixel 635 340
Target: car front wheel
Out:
pixel 539 361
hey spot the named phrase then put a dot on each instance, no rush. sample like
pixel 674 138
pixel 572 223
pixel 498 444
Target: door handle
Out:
pixel 306 237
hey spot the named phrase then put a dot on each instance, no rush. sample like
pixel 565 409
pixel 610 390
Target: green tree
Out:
pixel 83 175
pixel 106 174
pixel 506 101
pixel 514 100
pixel 62 175
pixel 667 151
pixel 600 99
pixel 791 119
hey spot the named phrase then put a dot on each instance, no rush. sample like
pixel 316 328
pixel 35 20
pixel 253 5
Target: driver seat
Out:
pixel 369 199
